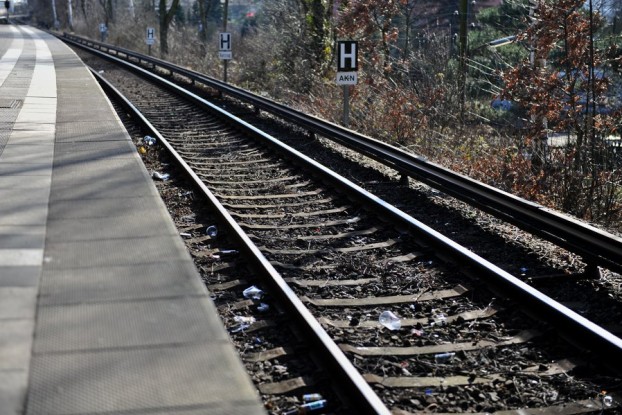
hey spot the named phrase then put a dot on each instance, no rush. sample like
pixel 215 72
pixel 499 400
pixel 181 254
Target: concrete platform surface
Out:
pixel 101 308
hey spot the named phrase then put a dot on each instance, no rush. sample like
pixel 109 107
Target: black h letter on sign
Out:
pixel 225 41
pixel 347 56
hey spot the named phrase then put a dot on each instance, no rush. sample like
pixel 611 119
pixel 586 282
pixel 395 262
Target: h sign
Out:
pixel 347 56
pixel 225 42
pixel 150 40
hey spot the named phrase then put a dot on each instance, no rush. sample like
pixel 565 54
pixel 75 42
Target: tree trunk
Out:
pixel 56 22
pixel 204 9
pixel 166 17
pixel 108 11
pixel 70 15
pixel 317 15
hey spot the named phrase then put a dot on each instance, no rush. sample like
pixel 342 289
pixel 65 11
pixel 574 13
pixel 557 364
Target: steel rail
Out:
pixel 595 246
pixel 575 328
pixel 358 391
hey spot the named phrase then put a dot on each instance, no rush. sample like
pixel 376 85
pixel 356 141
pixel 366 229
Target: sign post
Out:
pixel 7 6
pixel 225 40
pixel 224 50
pixel 347 67
pixel 150 38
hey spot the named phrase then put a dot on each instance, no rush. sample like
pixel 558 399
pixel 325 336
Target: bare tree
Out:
pixel 206 10
pixel 108 11
pixel 83 8
pixel 166 17
pixel 567 92
pixel 56 22
pixel 132 9
pixel 70 15
pixel 317 15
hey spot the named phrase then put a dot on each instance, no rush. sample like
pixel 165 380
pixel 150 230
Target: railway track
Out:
pixel 347 257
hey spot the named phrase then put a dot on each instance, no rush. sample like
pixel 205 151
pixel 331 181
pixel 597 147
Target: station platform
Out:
pixel 101 308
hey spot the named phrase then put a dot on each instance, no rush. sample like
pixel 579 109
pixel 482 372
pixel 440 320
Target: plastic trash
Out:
pixel 161 176
pixel 263 307
pixel 606 399
pixel 211 231
pixel 253 293
pixel 443 357
pixel 189 218
pixel 244 319
pixel 353 321
pixel 185 235
pixel 150 141
pixel 439 319
pixel 311 397
pixel 417 332
pixel 228 252
pixel 390 320
pixel 307 408
pixel 240 327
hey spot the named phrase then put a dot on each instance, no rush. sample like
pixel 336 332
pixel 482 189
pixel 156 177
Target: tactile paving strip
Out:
pixel 109 252
pixel 135 224
pixel 142 380
pixel 7 119
pixel 88 131
pixel 99 178
pixel 13 90
pixel 102 208
pixel 4 138
pixel 73 111
pixel 124 324
pixel 141 281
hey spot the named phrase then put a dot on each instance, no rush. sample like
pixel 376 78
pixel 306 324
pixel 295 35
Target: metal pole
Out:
pixel 224 29
pixel 346 105
pixel 463 52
